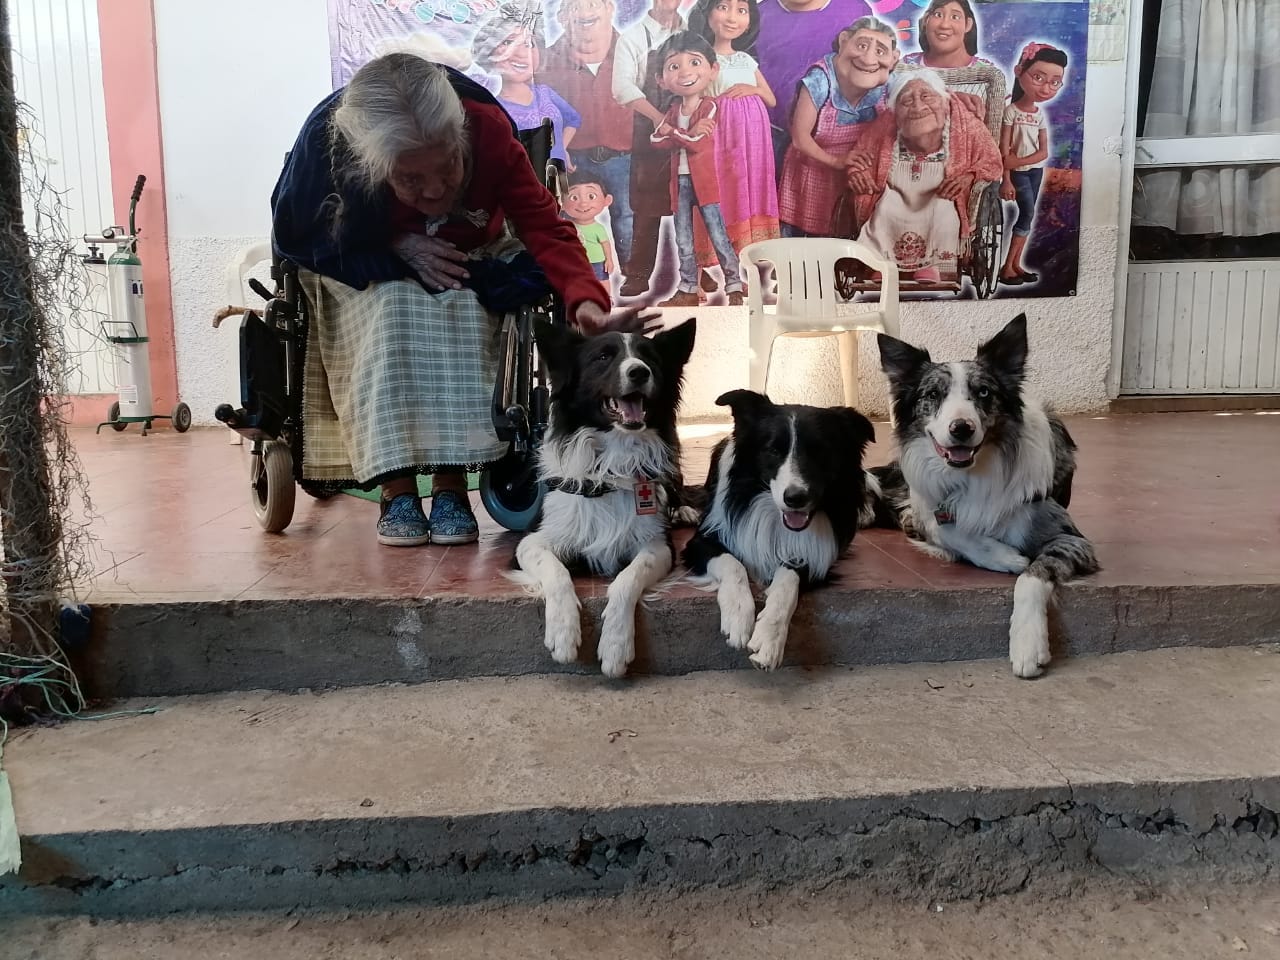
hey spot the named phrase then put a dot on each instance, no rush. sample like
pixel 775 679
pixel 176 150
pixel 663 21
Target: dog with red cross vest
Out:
pixel 610 463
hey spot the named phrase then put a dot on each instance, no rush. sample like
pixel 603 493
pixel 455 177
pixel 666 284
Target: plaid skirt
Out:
pixel 397 379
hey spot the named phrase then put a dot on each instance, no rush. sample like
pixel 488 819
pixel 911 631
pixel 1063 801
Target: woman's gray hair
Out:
pixel 874 24
pixel 900 79
pixel 393 104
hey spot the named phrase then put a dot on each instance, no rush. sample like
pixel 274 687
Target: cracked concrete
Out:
pixel 151 649
pixel 947 780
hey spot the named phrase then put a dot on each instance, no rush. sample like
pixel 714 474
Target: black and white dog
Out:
pixel 784 494
pixel 611 464
pixel 984 475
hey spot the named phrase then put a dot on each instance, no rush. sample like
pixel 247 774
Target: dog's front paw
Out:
pixel 1004 559
pixel 1028 646
pixel 564 631
pixel 686 516
pixel 737 613
pixel 617 640
pixel 768 642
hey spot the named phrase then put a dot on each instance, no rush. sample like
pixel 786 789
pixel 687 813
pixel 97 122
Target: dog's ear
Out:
pixel 557 345
pixel 676 344
pixel 745 403
pixel 899 359
pixel 1005 354
pixel 858 430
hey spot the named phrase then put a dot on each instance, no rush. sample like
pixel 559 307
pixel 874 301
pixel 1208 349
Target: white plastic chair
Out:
pixel 239 295
pixel 805 269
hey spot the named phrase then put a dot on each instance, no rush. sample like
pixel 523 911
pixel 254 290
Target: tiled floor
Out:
pixel 1170 499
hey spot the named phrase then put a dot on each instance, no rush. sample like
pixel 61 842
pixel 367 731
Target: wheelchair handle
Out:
pixel 260 289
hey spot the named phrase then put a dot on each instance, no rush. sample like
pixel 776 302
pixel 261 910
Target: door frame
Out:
pixel 1128 149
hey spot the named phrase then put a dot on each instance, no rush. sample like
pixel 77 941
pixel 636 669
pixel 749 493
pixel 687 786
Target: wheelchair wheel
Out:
pixel 181 418
pixel 511 493
pixel 984 247
pixel 113 417
pixel 271 486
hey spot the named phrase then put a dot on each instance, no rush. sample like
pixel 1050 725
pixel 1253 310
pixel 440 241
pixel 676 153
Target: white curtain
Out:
pixel 1217 71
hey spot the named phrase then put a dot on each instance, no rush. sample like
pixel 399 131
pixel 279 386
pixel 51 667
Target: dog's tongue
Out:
pixel 632 409
pixel 959 454
pixel 795 519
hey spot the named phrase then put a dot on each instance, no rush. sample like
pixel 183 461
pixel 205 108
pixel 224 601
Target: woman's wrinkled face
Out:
pixel 516 58
pixel 865 59
pixel 920 111
pixel 429 178
pixel 946 27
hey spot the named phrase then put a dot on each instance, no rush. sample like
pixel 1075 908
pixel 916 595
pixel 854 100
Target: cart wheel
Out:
pixel 511 493
pixel 271 487
pixel 181 418
pixel 113 417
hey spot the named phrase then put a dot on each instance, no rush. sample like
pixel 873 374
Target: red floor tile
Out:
pixel 1169 499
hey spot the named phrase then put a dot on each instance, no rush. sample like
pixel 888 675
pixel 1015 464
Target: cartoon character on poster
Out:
pixel 1024 142
pixel 689 68
pixel 584 202
pixel 817 129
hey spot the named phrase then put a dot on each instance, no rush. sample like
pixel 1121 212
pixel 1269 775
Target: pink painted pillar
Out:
pixel 131 90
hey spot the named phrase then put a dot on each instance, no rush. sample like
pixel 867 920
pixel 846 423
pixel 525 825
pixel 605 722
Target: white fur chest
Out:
pixel 605 531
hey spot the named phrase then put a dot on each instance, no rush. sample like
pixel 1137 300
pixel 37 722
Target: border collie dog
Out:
pixel 784 494
pixel 611 465
pixel 984 475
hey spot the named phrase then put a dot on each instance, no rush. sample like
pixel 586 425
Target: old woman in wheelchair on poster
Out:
pixel 912 174
pixel 416 222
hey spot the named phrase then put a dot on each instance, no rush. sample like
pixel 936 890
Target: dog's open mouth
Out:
pixel 627 412
pixel 796 520
pixel 956 456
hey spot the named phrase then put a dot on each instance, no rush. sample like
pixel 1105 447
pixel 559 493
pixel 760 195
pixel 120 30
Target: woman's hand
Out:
pixel 860 179
pixel 1007 191
pixel 591 319
pixel 973 103
pixel 957 189
pixel 438 262
pixel 741 90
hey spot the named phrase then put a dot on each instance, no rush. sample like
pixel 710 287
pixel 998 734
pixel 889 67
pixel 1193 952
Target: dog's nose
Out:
pixel 962 429
pixel 795 497
pixel 638 375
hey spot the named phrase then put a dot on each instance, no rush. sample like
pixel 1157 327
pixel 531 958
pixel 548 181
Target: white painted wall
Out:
pixel 226 129
pixel 235 86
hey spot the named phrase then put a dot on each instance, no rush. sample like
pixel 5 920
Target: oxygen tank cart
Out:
pixel 126 331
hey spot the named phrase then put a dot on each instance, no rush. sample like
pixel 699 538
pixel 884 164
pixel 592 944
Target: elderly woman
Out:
pixel 913 170
pixel 396 204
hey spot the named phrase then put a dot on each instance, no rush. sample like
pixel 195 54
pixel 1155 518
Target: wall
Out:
pixel 236 82
pixel 226 129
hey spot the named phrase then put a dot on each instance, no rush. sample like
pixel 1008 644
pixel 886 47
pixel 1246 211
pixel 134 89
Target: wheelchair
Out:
pixel 980 252
pixel 272 359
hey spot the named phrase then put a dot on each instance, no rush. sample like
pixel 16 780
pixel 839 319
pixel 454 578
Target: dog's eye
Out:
pixel 983 393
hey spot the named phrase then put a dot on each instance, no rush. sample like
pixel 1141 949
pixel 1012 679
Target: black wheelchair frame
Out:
pixel 272 358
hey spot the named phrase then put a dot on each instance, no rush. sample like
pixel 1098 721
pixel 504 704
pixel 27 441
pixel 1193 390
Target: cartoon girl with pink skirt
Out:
pixel 743 141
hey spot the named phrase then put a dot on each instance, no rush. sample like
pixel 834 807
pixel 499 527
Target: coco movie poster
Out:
pixel 944 134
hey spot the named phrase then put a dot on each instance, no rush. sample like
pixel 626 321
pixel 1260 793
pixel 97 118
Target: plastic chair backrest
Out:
pixel 805 268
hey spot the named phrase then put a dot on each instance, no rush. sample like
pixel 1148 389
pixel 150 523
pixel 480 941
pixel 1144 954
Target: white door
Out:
pixel 1202 305
pixel 57 65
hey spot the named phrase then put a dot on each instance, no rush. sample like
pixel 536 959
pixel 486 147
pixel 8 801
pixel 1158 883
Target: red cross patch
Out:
pixel 646 497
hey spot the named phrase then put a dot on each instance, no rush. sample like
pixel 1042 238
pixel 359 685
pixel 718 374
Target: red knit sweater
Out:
pixel 503 184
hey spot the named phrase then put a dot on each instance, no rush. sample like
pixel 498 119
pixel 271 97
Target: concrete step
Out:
pixel 947 780
pixel 168 649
